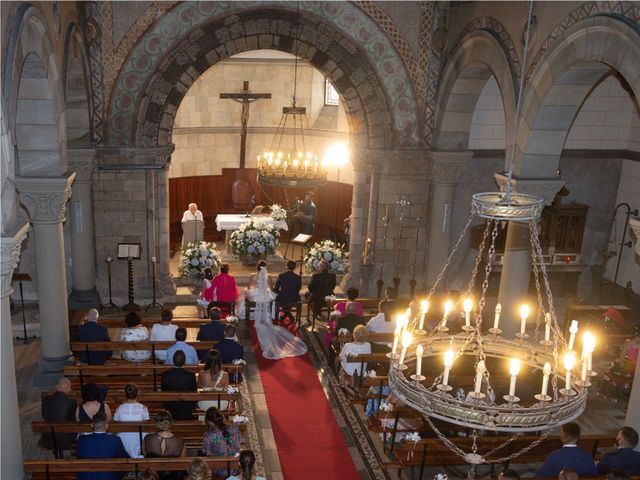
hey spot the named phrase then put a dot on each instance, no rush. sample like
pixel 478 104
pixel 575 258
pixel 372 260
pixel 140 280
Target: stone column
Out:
pixel 10 429
pixel 446 169
pixel 45 199
pixel 84 293
pixel 516 262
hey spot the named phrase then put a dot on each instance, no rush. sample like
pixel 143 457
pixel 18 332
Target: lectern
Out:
pixel 192 231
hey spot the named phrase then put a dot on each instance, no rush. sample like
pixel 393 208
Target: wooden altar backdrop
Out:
pixel 213 194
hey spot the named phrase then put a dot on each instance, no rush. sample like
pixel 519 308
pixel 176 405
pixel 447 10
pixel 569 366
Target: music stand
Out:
pixel 301 239
pixel 22 277
pixel 129 252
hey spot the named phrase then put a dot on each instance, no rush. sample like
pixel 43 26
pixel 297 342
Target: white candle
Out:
pixel 589 345
pixel 545 379
pixel 468 305
pixel 514 369
pixel 569 362
pixel 524 313
pixel 448 362
pixel 401 322
pixel 496 320
pixel 419 353
pixel 406 341
pixel 447 308
pixel 573 329
pixel 424 308
pixel 547 326
pixel 480 369
pixel 396 339
pixel 583 376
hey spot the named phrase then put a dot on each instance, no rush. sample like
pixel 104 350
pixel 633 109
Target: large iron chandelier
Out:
pixel 477 355
pixel 291 160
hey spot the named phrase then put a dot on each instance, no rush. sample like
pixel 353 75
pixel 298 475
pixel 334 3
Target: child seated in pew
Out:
pixel 221 439
pixel 131 411
pixel 359 346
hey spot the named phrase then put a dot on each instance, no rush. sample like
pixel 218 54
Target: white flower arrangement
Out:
pixel 240 419
pixel 231 319
pixel 255 238
pixel 231 389
pixel 330 298
pixel 412 437
pixel 371 374
pixel 334 254
pixel 386 406
pixel 195 257
pixel 278 213
pixel 239 361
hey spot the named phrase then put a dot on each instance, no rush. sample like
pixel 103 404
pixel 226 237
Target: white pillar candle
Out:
pixel 547 326
pixel 514 369
pixel 448 362
pixel 424 308
pixel 569 362
pixel 396 340
pixel 524 313
pixel 573 329
pixel 589 345
pixel 468 305
pixel 545 378
pixel 447 308
pixel 496 319
pixel 419 353
pixel 480 369
pixel 406 341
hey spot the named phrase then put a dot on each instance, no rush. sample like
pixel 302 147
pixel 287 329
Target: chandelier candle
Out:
pixel 569 363
pixel 573 329
pixel 496 319
pixel 514 370
pixel 424 308
pixel 447 308
pixel 547 327
pixel 545 379
pixel 468 305
pixel 589 345
pixel 480 369
pixel 524 314
pixel 406 342
pixel 419 353
pixel 448 363
pixel 396 340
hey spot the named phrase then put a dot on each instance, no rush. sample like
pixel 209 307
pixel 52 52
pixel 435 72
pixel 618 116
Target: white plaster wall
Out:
pixel 628 192
pixel 206 131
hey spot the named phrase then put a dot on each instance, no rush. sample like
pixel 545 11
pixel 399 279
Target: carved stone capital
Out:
pixel 151 158
pixel 83 162
pixel 45 198
pixel 11 248
pixel 634 224
pixel 545 188
pixel 448 167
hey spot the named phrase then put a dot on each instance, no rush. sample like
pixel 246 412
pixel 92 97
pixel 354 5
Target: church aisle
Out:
pixel 310 444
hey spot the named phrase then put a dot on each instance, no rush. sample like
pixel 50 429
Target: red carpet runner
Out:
pixel 310 444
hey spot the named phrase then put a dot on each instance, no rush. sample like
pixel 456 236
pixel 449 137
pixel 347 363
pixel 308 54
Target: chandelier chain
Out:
pixel 541 310
pixel 543 436
pixel 474 273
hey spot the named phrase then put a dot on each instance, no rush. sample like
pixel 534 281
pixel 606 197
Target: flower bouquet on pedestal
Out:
pixel 334 254
pixel 195 257
pixel 254 240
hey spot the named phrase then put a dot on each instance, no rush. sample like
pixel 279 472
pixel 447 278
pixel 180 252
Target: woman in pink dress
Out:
pixel 224 288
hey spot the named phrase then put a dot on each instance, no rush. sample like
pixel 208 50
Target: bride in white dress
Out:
pixel 276 342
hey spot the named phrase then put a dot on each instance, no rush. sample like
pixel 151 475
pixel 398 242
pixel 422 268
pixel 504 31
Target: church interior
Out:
pixel 464 174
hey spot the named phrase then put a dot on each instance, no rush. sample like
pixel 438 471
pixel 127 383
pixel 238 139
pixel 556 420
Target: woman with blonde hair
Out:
pixel 163 443
pixel 198 470
pixel 359 346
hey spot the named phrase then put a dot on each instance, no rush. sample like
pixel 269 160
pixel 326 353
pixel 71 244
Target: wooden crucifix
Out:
pixel 245 97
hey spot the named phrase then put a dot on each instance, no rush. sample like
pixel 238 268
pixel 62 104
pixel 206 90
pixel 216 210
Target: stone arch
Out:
pixel 33 92
pixel 581 57
pixel 480 54
pixel 345 46
pixel 76 85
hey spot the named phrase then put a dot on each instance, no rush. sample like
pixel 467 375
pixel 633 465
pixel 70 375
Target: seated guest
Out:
pixel 350 320
pixel 91 404
pixel 91 331
pixel 206 296
pixel 508 474
pixel 230 350
pixel 100 444
pixel 381 323
pixel 321 286
pixel 569 456
pixel 164 331
pixel 190 353
pixel 221 440
pixel 163 443
pixel 213 331
pixel 224 287
pixel 179 380
pixel 359 346
pixel 352 294
pixel 568 474
pixel 198 470
pixel 131 411
pixel 213 377
pixel 625 458
pixel 247 460
pixel 134 332
pixel 59 408
pixel 288 286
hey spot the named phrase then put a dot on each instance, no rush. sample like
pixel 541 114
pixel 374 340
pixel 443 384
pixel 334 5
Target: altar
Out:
pixel 228 222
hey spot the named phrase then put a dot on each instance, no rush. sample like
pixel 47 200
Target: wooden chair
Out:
pixel 292 311
pixel 241 195
pixel 250 307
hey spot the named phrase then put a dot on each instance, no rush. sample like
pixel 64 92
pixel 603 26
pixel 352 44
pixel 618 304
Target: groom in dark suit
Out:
pixel 288 287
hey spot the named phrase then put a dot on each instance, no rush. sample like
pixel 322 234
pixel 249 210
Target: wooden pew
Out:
pixel 150 322
pixel 66 468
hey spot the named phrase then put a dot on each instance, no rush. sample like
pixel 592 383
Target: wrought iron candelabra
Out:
pixel 110 304
pixel 385 224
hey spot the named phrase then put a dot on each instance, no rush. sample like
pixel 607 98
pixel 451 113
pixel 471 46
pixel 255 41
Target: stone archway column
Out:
pixel 446 170
pixel 45 199
pixel 84 293
pixel 516 262
pixel 10 429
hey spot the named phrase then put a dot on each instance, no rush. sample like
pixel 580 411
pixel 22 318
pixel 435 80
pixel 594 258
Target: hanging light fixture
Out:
pixel 481 360
pixel 291 160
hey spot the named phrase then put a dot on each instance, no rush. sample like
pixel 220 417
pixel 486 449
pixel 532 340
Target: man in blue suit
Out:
pixel 625 458
pixel 100 444
pixel 570 456
pixel 288 286
pixel 91 331
pixel 212 331
pixel 230 350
